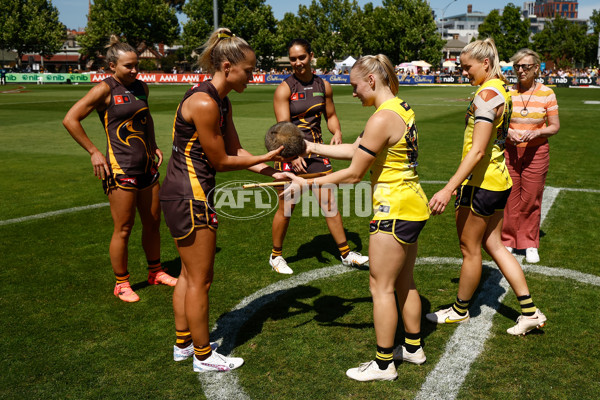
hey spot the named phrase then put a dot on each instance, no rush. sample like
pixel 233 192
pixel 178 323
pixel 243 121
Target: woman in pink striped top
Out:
pixel 534 119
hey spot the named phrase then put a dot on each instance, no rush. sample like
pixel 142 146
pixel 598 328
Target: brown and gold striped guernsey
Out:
pixel 125 124
pixel 307 104
pixel 189 174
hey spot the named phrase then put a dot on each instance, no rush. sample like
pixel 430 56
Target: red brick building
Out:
pixel 551 8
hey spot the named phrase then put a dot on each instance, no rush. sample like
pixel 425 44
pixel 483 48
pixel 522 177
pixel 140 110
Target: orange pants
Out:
pixel 528 167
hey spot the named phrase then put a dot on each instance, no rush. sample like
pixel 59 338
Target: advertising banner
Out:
pixel 278 78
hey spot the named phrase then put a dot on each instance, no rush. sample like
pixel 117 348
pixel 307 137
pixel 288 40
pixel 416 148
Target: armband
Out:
pixel 369 152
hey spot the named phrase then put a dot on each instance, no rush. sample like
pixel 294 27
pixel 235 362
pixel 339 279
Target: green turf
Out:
pixel 65 336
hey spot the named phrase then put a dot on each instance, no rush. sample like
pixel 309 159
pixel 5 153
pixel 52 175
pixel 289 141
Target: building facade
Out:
pixel 551 8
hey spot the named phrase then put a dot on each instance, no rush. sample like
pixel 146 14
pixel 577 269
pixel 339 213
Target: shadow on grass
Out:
pixel 325 244
pixel 279 305
pixel 491 277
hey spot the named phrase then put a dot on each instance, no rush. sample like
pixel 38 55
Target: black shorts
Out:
pixel 313 166
pixel 406 232
pixel 130 182
pixel 481 201
pixel 183 216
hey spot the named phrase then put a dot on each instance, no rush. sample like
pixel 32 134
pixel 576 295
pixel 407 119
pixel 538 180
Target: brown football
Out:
pixel 287 135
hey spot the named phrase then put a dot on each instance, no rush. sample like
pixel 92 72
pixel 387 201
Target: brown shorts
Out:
pixel 183 216
pixel 130 182
pixel 313 166
pixel 406 232
pixel 481 201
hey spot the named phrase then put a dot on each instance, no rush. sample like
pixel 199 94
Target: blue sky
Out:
pixel 73 12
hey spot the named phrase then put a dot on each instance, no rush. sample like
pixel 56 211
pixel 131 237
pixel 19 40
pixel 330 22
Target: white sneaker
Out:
pixel 510 249
pixel 370 372
pixel 526 324
pixel 355 259
pixel 447 316
pixel 418 357
pixel 532 256
pixel 217 362
pixel 184 354
pixel 278 264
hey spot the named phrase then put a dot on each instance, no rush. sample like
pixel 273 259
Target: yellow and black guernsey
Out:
pixel 307 105
pixel 397 193
pixel 125 123
pixel 190 176
pixel 491 172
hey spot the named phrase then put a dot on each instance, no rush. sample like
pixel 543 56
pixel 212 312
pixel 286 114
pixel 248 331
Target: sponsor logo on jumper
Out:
pixel 122 99
pixel 298 96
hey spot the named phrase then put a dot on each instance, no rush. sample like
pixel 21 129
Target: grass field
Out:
pixel 65 336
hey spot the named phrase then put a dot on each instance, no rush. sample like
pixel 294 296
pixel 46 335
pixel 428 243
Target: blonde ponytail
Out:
pixel 381 66
pixel 222 45
pixel 482 49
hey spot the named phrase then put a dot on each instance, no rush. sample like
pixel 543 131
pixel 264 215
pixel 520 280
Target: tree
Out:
pixel 30 26
pixel 405 30
pixel 199 24
pixel 334 37
pixel 135 21
pixel 509 32
pixel 561 41
pixel 252 20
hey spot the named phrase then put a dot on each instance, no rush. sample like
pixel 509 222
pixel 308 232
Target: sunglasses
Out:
pixel 524 67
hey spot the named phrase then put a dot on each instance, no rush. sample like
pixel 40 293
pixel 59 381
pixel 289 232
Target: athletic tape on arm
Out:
pixel 485 111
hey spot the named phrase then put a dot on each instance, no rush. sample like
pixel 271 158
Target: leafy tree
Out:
pixel 252 20
pixel 562 42
pixel 405 30
pixel 592 44
pixel 135 21
pixel 30 26
pixel 509 32
pixel 176 4
pixel 199 24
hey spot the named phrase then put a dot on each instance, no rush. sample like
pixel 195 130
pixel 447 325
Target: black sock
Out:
pixel 527 306
pixel 412 341
pixel 384 357
pixel 461 306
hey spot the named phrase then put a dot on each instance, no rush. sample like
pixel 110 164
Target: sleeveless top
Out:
pixel 307 104
pixel 490 173
pixel 189 173
pixel 125 123
pixel 397 193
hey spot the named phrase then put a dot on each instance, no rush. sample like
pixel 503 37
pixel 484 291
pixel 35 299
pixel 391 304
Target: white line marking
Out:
pixel 51 213
pixel 467 342
pixel 548 198
pixel 74 209
pixel 224 386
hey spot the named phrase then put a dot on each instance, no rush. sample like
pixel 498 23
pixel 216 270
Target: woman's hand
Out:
pixel 526 136
pixel 158 152
pixel 439 201
pixel 336 139
pixel 296 187
pixel 514 135
pixel 299 165
pixel 101 169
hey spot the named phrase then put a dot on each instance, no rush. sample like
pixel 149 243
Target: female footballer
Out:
pixel 389 148
pixel 483 185
pixel 205 141
pixel 302 99
pixel 129 172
